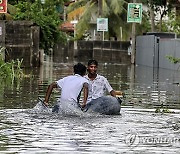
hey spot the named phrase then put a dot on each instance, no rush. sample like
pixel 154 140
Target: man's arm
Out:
pixel 109 88
pixel 116 93
pixel 113 93
pixel 49 91
pixel 85 93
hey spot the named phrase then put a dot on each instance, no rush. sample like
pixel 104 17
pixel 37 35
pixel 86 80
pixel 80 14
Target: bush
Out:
pixel 45 16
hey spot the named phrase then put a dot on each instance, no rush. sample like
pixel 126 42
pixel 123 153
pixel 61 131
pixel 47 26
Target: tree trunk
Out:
pixel 152 19
pixel 160 24
pixel 152 15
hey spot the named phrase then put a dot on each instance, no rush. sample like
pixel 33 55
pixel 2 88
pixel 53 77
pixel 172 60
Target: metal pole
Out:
pixel 133 43
pixel 94 34
pixel 103 35
pixel 133 54
pixel 100 15
pixel 120 33
pixel 75 41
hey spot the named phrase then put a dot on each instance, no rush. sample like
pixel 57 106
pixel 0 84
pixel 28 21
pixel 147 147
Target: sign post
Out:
pixel 3 6
pixel 134 16
pixel 134 12
pixel 102 25
pixel 74 22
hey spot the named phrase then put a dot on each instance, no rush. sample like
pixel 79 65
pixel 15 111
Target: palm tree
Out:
pixel 114 10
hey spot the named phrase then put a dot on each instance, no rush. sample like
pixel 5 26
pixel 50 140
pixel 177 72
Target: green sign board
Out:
pixel 134 12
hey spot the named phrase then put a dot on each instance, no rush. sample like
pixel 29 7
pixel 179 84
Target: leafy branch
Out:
pixel 173 60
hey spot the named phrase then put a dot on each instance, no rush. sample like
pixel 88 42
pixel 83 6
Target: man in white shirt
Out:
pixel 98 84
pixel 71 87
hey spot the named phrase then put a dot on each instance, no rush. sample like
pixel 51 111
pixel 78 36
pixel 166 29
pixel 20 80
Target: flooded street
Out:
pixel 139 129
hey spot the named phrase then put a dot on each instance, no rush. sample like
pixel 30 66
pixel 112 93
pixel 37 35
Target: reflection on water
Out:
pixel 143 86
pixel 137 130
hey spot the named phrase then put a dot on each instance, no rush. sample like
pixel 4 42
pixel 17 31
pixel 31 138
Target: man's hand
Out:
pixel 83 106
pixel 45 103
pixel 120 93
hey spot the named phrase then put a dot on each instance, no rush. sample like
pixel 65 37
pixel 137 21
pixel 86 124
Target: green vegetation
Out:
pixel 48 17
pixel 174 23
pixel 163 110
pixel 173 59
pixel 44 15
pixel 10 70
pixel 115 10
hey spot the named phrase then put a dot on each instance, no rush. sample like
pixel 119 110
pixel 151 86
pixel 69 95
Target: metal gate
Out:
pixel 147 50
pixel 153 51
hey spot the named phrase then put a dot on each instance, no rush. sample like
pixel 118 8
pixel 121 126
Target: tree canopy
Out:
pixel 114 10
pixel 44 15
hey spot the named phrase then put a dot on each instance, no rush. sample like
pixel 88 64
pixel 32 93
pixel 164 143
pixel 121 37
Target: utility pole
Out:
pixel 99 8
pixel 133 54
pixel 99 16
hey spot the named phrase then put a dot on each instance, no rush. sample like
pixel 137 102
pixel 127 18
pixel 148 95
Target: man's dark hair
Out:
pixel 80 69
pixel 92 62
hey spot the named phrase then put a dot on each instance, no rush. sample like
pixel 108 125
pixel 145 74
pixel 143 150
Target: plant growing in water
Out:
pixel 163 109
pixel 11 69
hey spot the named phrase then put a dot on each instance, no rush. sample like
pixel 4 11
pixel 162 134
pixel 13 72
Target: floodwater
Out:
pixel 139 129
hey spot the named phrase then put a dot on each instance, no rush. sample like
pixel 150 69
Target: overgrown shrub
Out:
pixel 47 17
pixel 10 70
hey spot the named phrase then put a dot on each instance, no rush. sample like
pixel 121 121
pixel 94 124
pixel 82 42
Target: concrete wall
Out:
pixel 21 39
pixel 64 53
pixel 111 51
pixel 2 33
pixel 103 51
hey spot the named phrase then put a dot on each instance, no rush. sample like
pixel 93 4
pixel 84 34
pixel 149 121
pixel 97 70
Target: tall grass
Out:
pixel 10 70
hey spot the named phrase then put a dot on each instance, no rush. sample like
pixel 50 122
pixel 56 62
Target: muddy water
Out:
pixel 137 130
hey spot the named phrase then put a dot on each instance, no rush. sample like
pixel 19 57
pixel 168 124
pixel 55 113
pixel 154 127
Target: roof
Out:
pixel 67 26
pixel 67 3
